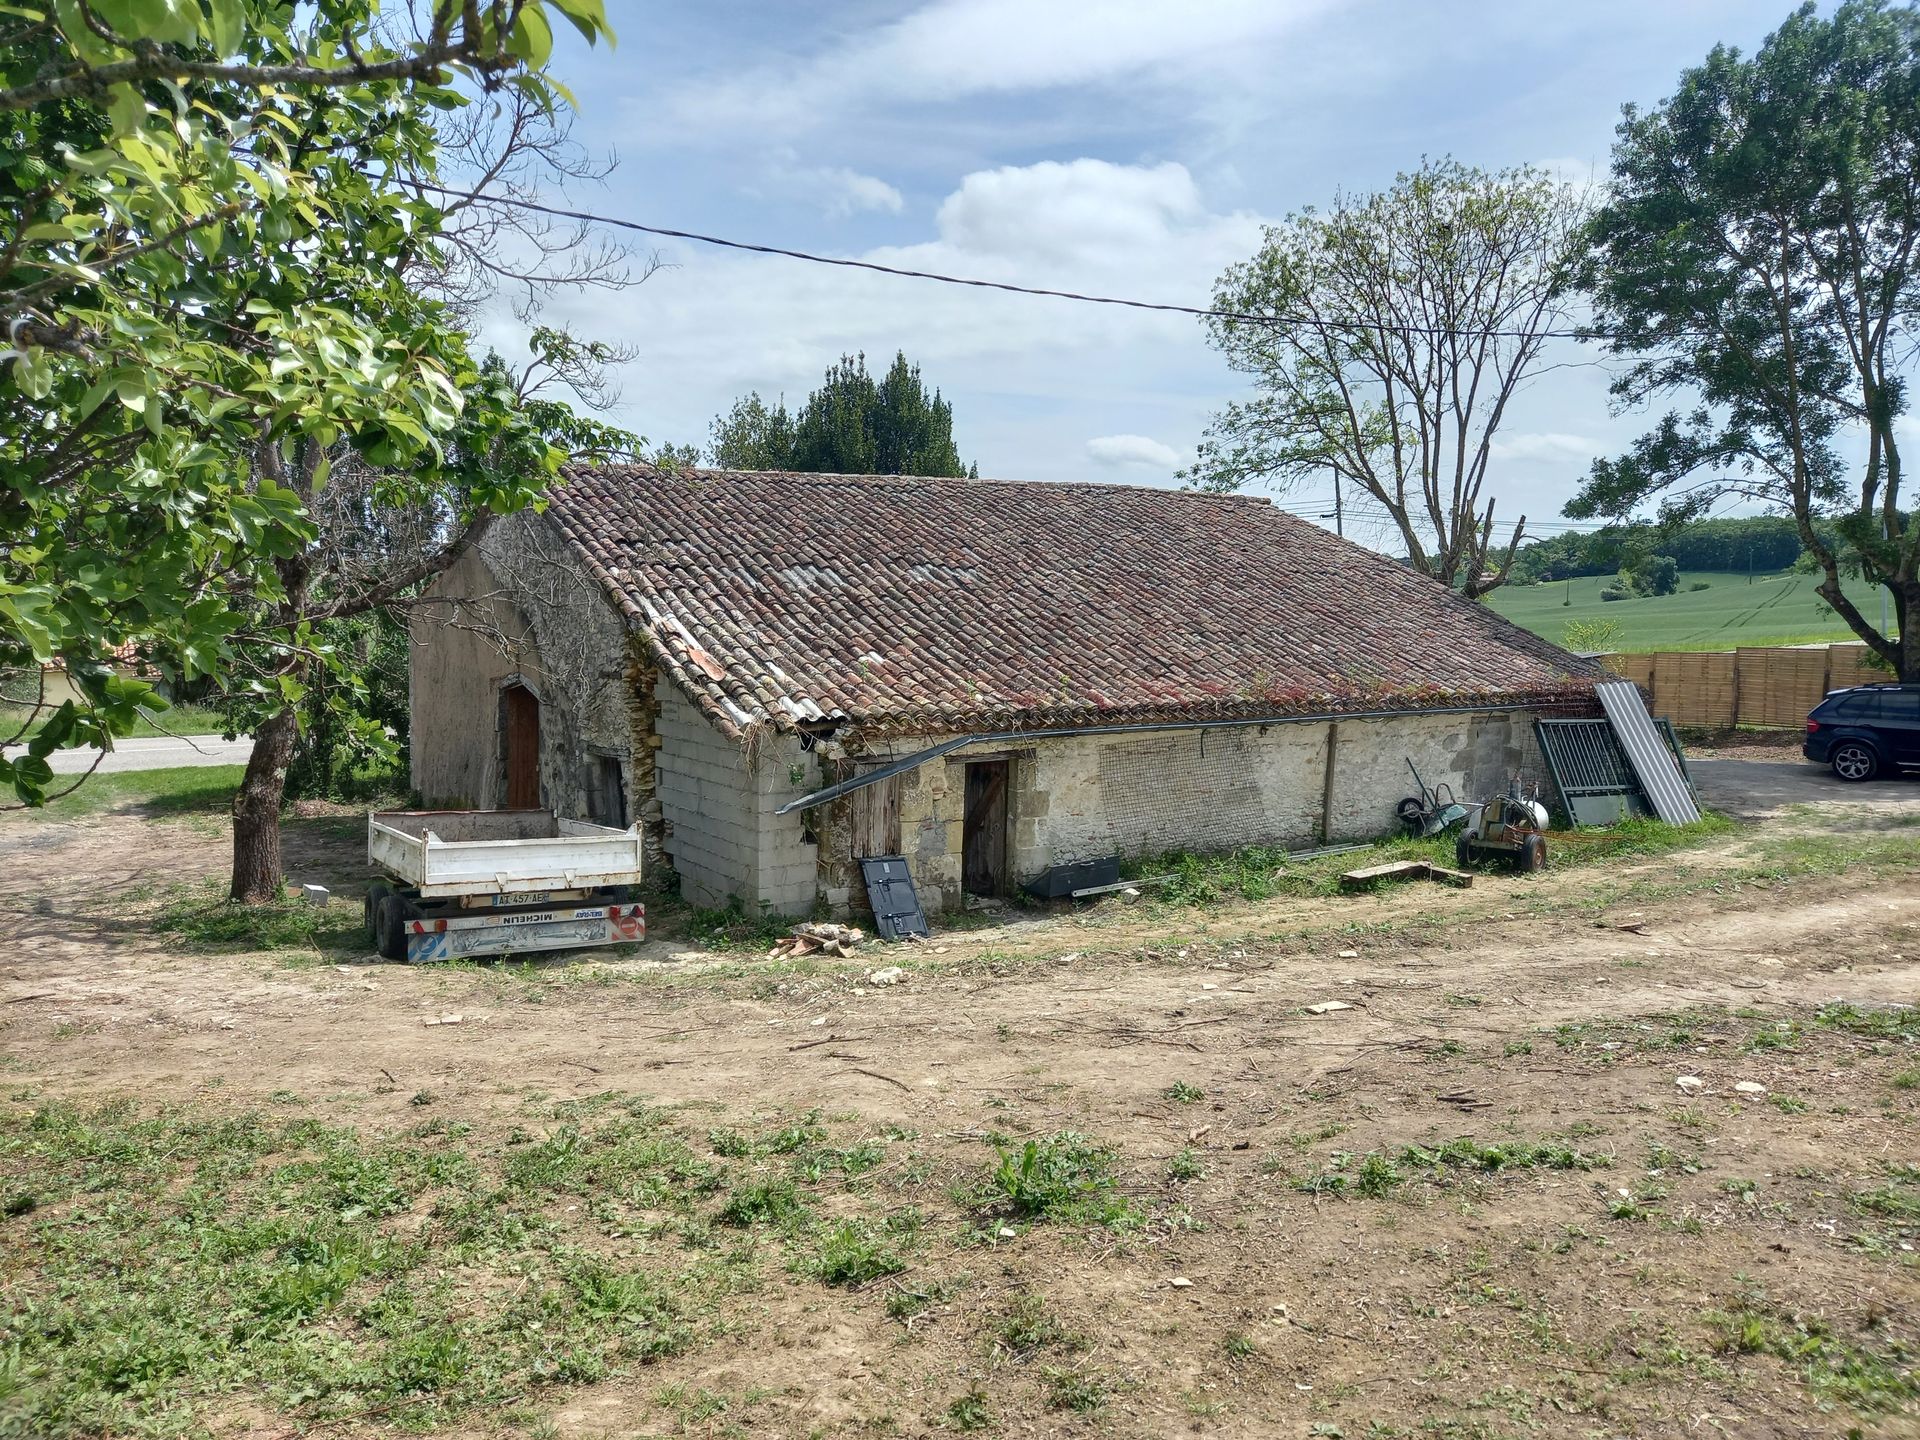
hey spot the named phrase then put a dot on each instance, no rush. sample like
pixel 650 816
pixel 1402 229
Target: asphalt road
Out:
pixel 1763 787
pixel 160 752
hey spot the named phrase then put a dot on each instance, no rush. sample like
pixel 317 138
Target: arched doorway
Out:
pixel 520 746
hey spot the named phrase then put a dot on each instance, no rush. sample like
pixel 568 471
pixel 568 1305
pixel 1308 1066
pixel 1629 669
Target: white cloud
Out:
pixel 949 50
pixel 847 192
pixel 1552 447
pixel 1056 211
pixel 1116 451
pixel 716 325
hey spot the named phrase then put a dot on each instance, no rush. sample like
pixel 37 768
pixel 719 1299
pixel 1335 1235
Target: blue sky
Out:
pixel 1116 147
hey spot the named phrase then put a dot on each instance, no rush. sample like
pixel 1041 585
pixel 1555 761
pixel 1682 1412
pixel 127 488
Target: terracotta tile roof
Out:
pixel 913 605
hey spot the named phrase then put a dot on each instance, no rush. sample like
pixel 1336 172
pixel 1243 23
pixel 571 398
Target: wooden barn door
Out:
pixel 983 832
pixel 876 819
pixel 521 709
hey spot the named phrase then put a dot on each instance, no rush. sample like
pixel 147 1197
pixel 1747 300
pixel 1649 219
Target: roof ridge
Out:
pixel 658 471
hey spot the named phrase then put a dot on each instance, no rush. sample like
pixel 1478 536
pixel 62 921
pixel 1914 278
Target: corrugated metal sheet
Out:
pixel 1666 788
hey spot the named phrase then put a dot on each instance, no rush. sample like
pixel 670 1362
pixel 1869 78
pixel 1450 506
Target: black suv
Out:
pixel 1865 731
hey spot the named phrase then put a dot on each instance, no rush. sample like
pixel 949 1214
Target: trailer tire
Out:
pixel 1463 852
pixel 1533 854
pixel 370 908
pixel 390 939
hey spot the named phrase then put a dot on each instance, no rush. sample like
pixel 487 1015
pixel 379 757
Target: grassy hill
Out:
pixel 1776 609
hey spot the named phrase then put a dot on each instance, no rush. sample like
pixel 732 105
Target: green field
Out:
pixel 1776 609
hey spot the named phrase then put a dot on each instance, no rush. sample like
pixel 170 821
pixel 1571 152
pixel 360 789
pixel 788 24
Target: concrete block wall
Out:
pixel 706 803
pixel 717 801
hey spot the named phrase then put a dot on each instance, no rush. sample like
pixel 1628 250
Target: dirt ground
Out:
pixel 1264 1289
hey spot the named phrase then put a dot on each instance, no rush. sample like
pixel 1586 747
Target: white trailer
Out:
pixel 499 882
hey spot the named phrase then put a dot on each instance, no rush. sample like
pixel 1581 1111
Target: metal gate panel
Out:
pixel 1596 783
pixel 1660 777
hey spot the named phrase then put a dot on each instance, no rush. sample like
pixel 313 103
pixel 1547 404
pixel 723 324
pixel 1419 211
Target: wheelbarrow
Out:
pixel 1432 811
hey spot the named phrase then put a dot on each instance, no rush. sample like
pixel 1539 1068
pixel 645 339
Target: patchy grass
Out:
pixel 187 790
pixel 1866 1377
pixel 1263 872
pixel 161 1267
pixel 179 720
pixel 731 928
pixel 1376 1175
pixel 207 920
pixel 1029 1328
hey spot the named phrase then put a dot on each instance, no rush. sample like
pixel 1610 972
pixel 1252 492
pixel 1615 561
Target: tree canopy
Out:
pixel 203 282
pixel 1756 257
pixel 1386 337
pixel 851 425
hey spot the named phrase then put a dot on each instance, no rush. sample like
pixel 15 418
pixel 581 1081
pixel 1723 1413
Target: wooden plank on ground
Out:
pixel 1371 875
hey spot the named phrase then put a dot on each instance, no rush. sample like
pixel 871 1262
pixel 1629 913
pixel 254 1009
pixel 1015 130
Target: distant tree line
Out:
pixel 1758 544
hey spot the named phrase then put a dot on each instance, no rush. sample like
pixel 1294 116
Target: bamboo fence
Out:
pixel 1771 687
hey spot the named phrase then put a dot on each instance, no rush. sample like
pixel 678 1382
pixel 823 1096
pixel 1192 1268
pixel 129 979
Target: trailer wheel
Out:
pixel 1463 852
pixel 390 939
pixel 1533 854
pixel 370 908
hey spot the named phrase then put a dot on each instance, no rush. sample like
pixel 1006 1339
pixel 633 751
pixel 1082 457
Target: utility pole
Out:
pixel 1339 509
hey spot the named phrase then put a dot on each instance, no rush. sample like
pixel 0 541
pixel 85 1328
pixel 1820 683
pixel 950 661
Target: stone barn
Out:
pixel 775 675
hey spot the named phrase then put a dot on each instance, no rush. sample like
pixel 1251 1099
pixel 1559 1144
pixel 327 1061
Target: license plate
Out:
pixel 519 897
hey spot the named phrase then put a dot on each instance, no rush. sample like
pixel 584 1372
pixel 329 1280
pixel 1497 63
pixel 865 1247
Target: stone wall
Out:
pixel 1132 794
pixel 464 640
pixel 558 636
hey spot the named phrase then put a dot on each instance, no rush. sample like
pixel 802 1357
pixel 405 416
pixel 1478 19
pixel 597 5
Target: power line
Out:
pixel 1380 327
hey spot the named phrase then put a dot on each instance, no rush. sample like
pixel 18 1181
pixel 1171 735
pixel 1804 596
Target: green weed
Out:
pixel 1185 1166
pixel 852 1253
pixel 1065 1177
pixel 971 1412
pixel 1029 1327
pixel 1075 1390
pixel 1866 1379
pixel 763 1202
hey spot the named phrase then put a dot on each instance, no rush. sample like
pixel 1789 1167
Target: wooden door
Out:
pixel 522 758
pixel 876 819
pixel 983 834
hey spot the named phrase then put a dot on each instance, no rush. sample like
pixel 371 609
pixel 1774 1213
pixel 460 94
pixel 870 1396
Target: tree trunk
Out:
pixel 257 872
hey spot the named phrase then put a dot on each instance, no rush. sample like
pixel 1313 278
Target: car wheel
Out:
pixel 1851 760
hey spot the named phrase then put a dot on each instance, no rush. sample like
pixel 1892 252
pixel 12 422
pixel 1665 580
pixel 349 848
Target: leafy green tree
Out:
pixel 1756 255
pixel 1386 337
pixel 753 436
pixel 851 425
pixel 1657 575
pixel 204 278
